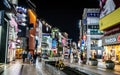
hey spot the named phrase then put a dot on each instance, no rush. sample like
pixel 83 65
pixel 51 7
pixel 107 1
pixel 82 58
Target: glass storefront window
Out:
pixel 112 52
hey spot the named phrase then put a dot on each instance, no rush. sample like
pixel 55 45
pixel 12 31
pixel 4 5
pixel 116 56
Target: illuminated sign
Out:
pixel 46 34
pixel 110 40
pixel 93 14
pixel 112 31
pixel 113 39
pixel 110 20
pixel 92 20
pixel 32 17
pixel 106 6
pixel 54 43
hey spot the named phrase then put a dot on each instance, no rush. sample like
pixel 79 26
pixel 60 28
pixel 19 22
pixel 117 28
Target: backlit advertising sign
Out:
pixel 54 43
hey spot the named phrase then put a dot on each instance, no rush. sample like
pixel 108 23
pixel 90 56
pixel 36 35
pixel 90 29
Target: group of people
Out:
pixel 29 57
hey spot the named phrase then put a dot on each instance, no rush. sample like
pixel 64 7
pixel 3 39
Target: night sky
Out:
pixel 64 14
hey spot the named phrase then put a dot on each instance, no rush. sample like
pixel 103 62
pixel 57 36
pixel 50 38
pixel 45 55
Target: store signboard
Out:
pixel 46 34
pixel 107 21
pixel 94 14
pixel 54 43
pixel 92 20
pixel 107 6
pixel 112 30
pixel 113 39
pixel 84 21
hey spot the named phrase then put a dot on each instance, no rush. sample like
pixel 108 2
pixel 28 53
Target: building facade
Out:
pixel 90 33
pixel 110 24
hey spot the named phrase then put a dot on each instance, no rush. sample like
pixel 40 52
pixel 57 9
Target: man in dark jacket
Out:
pixel 34 58
pixel 24 56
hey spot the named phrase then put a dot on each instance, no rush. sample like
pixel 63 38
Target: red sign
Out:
pixel 84 37
pixel 118 38
pixel 54 51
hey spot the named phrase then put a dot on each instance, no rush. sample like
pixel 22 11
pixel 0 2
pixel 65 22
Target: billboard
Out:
pixel 110 20
pixel 54 43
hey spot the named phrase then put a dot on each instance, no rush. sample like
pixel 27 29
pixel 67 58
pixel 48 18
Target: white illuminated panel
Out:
pixel 92 21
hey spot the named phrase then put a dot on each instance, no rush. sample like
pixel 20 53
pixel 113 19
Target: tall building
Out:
pixel 110 24
pixel 90 32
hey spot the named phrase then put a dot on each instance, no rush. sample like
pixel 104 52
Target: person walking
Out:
pixel 34 58
pixel 24 56
pixel 81 57
pixel 30 59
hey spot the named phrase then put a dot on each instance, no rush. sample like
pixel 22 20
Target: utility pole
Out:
pixel 88 45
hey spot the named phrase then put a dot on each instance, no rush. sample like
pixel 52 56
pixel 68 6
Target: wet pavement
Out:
pixel 95 70
pixel 12 69
pixel 18 68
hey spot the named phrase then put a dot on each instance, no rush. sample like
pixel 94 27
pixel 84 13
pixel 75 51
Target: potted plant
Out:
pixel 110 64
pixel 93 61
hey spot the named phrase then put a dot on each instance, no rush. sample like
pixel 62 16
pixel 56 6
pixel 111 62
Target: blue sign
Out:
pixel 54 43
pixel 93 14
pixel 84 21
pixel 46 34
pixel 82 42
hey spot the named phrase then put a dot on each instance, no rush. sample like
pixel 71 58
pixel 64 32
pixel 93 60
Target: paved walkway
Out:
pixel 95 70
pixel 13 68
pixel 18 68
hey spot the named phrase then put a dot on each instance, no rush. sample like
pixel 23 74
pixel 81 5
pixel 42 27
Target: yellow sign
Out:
pixel 110 20
pixel 32 17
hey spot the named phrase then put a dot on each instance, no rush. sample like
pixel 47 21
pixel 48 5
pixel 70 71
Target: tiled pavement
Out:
pixel 12 69
pixel 18 68
pixel 95 70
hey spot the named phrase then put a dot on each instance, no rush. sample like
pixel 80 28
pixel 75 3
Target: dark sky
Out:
pixel 64 14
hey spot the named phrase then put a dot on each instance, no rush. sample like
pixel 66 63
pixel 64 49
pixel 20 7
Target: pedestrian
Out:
pixel 95 56
pixel 81 57
pixel 30 59
pixel 79 60
pixel 71 58
pixel 34 58
pixel 24 53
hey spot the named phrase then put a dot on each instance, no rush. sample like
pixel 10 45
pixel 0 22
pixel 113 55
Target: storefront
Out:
pixel 112 47
pixel 19 53
pixel 13 29
pixel 4 24
pixel 109 23
pixel 96 48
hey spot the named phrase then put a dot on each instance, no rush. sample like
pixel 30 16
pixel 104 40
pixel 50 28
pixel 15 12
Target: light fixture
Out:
pixel 24 15
pixel 23 24
pixel 24 20
pixel 31 35
pixel 19 30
